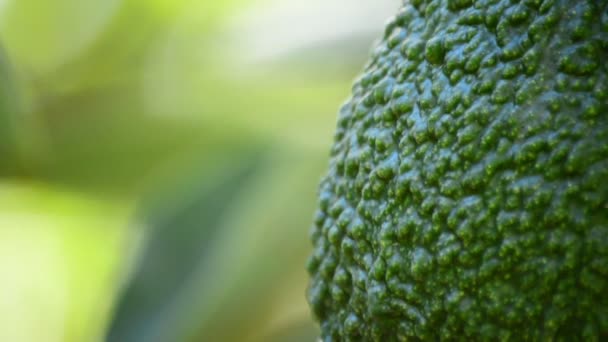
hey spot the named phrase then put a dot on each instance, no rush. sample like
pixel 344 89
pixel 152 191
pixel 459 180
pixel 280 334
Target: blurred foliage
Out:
pixel 231 272
pixel 158 177
pixel 8 108
pixel 60 256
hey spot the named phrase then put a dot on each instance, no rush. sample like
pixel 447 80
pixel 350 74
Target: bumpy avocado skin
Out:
pixel 467 191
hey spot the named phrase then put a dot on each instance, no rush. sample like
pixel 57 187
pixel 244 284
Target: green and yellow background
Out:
pixel 159 162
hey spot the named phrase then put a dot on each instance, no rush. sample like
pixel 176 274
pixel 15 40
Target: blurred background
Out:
pixel 159 162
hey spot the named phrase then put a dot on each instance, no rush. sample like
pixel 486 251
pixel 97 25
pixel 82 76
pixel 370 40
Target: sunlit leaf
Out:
pixel 43 35
pixel 61 255
pixel 119 48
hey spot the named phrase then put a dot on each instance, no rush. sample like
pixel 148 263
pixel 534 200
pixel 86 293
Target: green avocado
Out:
pixel 467 191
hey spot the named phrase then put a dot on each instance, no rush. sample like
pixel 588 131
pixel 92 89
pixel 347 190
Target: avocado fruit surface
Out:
pixel 467 190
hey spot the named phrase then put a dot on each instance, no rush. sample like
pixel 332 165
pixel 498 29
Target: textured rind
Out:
pixel 467 192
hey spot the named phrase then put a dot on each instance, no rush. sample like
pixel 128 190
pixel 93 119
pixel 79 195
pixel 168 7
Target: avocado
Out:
pixel 467 190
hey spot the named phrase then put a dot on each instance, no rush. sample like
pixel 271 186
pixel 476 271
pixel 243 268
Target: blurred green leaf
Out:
pixel 222 262
pixel 8 108
pixel 21 137
pixel 137 150
pixel 183 221
pixel 263 249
